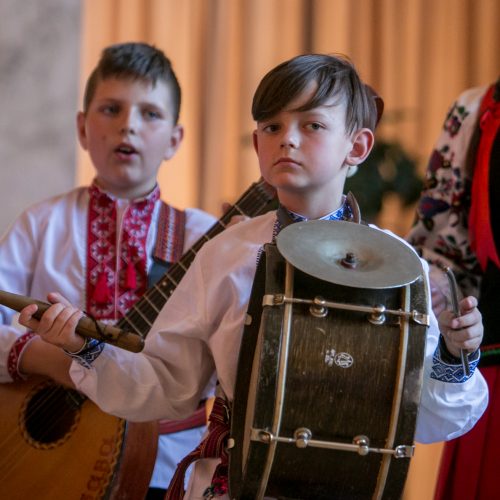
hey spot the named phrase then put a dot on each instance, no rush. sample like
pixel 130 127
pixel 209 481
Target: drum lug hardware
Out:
pixel 363 442
pixel 317 308
pixel 261 435
pixel 273 300
pixel 404 451
pixel 302 436
pixel 420 318
pixel 377 317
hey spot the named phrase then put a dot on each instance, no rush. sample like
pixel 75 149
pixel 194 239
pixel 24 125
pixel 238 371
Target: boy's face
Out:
pixel 128 131
pixel 305 154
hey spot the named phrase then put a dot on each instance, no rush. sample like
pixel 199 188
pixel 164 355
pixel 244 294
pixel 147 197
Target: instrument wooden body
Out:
pixel 88 454
pixel 58 446
pixel 339 376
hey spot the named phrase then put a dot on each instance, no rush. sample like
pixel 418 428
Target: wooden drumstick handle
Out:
pixel 86 327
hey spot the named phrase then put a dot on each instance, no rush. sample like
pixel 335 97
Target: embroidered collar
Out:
pixel 285 216
pixel 95 190
pixel 344 212
pixel 116 253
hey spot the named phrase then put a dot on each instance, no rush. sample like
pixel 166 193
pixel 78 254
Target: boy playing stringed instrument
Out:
pixel 315 119
pixel 98 245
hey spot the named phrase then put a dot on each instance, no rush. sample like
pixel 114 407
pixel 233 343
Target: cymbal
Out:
pixel 349 254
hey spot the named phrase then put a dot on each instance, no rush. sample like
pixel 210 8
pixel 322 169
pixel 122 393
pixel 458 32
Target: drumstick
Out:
pixel 456 311
pixel 87 327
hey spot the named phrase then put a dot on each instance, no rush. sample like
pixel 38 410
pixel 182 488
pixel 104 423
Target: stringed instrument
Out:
pixel 56 437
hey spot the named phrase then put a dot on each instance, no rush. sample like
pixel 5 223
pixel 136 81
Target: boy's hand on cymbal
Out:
pixel 57 325
pixel 465 331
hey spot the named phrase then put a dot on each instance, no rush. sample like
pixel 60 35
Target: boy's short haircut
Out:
pixel 134 61
pixel 335 75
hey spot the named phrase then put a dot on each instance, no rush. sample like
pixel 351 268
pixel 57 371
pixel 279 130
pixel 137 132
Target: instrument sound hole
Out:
pixel 50 415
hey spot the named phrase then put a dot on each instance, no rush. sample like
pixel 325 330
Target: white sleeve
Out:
pixel 447 409
pixel 168 378
pixel 17 260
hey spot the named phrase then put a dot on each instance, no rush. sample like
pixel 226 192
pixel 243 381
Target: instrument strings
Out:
pixel 45 406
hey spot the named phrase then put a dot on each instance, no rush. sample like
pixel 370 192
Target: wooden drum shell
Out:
pixel 323 393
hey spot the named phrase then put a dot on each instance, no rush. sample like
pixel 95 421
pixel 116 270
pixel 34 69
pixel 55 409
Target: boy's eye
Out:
pixel 110 109
pixel 315 126
pixel 151 114
pixel 272 127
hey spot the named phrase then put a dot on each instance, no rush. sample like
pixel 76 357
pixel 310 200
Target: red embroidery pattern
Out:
pixel 15 354
pixel 213 446
pixel 116 277
pixel 170 239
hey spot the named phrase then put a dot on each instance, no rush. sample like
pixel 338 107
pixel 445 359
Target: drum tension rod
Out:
pixel 302 438
pixel 319 308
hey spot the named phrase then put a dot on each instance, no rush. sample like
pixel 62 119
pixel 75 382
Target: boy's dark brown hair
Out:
pixel 335 76
pixel 134 61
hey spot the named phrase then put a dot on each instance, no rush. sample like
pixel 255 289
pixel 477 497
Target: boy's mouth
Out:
pixel 125 149
pixel 286 159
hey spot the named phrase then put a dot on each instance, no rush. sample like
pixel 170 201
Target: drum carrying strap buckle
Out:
pixel 302 438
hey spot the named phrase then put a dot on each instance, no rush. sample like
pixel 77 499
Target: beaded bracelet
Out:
pixel 88 353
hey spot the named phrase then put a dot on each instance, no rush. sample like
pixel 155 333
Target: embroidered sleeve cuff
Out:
pixel 448 368
pixel 88 353
pixel 15 356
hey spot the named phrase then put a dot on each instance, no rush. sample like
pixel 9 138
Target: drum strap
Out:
pixel 213 446
pixel 354 206
pixel 245 362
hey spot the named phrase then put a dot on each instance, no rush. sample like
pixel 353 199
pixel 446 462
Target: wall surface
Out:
pixel 39 76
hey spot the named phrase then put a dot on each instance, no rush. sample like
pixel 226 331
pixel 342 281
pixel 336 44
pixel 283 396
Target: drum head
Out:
pixel 349 254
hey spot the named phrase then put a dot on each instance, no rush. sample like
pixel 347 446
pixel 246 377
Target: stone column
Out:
pixel 39 77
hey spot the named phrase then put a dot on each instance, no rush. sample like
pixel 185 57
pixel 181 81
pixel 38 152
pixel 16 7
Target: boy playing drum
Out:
pixel 315 119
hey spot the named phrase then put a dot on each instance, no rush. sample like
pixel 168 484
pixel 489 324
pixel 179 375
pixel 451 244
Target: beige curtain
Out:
pixel 418 54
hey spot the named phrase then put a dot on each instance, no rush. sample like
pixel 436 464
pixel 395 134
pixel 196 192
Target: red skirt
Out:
pixel 469 466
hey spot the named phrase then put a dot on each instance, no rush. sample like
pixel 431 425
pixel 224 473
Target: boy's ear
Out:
pixel 176 137
pixel 81 130
pixel 362 143
pixel 255 141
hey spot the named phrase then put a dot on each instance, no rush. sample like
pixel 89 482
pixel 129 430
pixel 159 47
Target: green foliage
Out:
pixel 388 169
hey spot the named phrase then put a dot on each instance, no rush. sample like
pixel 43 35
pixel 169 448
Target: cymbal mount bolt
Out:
pixel 349 260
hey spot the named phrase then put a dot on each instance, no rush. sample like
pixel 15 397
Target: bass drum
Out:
pixel 328 386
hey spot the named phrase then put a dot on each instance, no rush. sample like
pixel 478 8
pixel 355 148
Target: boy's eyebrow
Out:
pixel 116 100
pixel 311 112
pixel 322 110
pixel 327 104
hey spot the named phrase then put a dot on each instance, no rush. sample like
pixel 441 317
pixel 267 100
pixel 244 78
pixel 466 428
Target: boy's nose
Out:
pixel 289 140
pixel 129 124
pixel 127 129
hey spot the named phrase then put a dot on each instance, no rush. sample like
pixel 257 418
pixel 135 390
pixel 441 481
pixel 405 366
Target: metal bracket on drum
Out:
pixel 319 308
pixel 360 444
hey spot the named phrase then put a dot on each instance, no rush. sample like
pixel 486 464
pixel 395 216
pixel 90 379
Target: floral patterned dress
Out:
pixel 448 226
